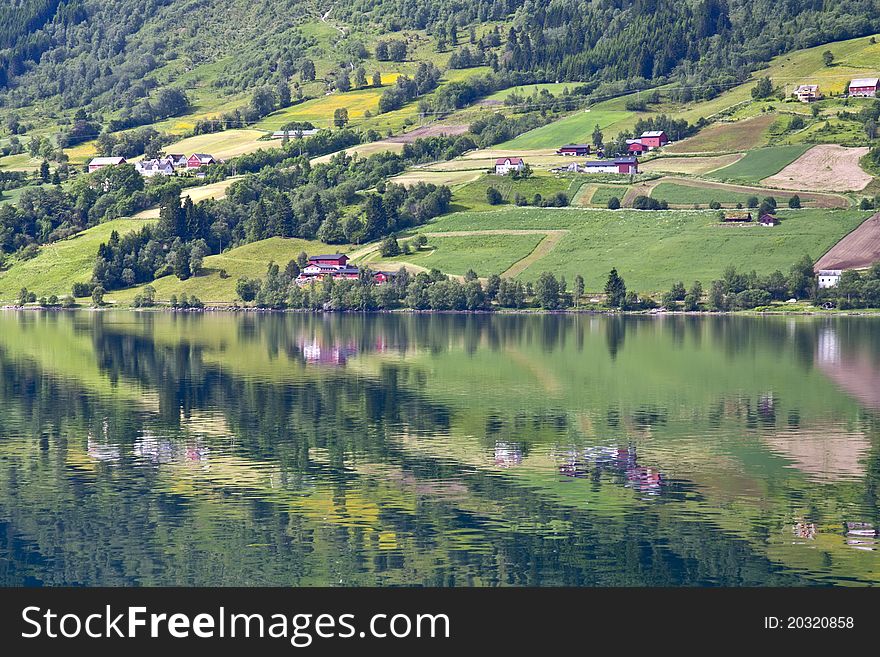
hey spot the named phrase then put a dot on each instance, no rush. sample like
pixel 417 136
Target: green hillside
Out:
pixel 60 264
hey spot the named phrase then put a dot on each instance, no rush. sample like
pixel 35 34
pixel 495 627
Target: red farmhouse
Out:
pixel 574 149
pixel 864 87
pixel 654 139
pixel 336 260
pixel 197 160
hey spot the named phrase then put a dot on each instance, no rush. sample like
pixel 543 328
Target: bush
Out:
pixel 493 196
pixel 389 247
pixel 614 203
pixel 80 290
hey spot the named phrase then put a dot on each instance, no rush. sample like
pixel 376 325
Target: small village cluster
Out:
pixel 336 266
pixel 167 165
pixel 626 165
pixel 858 88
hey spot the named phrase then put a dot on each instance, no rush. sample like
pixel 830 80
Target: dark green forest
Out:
pixel 106 54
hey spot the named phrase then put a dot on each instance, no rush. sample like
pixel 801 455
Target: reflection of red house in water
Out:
pixel 616 460
pixel 317 353
pixel 507 455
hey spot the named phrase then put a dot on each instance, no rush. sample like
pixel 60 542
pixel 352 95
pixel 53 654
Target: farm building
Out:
pixel 636 147
pixel 768 219
pixel 866 87
pixel 178 160
pixel 150 168
pixel 829 277
pixel 737 218
pixel 504 165
pixel 101 162
pixel 294 134
pixel 807 93
pixel 654 139
pixel 578 150
pixel 197 160
pixel 336 266
pixel 618 165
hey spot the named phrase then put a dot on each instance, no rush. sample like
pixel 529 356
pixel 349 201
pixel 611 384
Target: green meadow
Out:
pixel 574 128
pixel 653 249
pixel 249 260
pixel 486 254
pixel 59 265
pixel 760 163
pixel 688 194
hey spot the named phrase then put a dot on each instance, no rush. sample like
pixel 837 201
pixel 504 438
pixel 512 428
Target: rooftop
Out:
pixel 864 82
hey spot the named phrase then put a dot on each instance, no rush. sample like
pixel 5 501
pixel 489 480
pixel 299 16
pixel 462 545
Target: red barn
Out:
pixel 335 260
pixel 197 160
pixel 636 147
pixel 574 149
pixel 654 139
pixel 864 87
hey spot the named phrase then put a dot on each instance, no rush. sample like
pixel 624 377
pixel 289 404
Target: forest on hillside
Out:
pixel 107 54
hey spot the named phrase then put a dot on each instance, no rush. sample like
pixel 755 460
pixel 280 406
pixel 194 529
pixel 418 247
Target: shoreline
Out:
pixel 863 312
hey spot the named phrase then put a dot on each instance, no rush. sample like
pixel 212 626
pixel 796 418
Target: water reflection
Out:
pixel 437 450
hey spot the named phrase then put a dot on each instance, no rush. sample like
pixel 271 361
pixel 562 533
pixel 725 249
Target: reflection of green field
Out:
pixel 575 128
pixel 761 163
pixel 652 250
pixel 485 254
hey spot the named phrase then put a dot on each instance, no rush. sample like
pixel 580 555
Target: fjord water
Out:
pixel 447 450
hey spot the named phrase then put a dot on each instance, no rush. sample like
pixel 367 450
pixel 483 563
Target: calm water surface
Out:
pixel 159 449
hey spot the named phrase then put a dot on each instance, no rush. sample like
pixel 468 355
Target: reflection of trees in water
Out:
pixel 117 523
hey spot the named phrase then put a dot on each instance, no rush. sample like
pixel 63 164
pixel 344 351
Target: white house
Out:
pixel 150 168
pixel 504 165
pixel 829 277
pixel 101 162
pixel 807 93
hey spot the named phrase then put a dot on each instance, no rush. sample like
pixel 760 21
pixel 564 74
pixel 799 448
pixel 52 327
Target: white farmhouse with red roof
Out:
pixel 504 165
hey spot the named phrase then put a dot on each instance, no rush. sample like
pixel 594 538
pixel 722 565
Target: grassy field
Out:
pixel 605 193
pixel 690 165
pixel 20 162
pixel 727 137
pixel 688 195
pixel 455 255
pixel 555 88
pixel 472 196
pixel 248 260
pixel 222 145
pixel 12 195
pixel 654 249
pixel 59 265
pixel 761 163
pixel 320 110
pixel 364 150
pixel 574 128
pixel 215 190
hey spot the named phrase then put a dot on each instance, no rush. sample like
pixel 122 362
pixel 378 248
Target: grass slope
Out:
pixel 249 260
pixel 677 194
pixel 574 128
pixel 455 255
pixel 59 265
pixel 761 163
pixel 654 249
pixel 222 145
